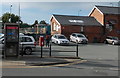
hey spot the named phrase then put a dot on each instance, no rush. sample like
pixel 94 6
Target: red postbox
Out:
pixel 41 41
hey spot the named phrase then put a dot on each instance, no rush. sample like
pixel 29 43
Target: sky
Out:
pixel 31 11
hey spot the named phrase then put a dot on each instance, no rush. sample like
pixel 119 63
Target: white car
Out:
pixel 28 43
pixel 1 38
pixel 59 39
pixel 78 38
pixel 1 35
pixel 112 40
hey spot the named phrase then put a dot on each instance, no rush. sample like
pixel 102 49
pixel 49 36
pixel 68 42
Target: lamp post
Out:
pixel 79 12
pixel 111 4
pixel 10 12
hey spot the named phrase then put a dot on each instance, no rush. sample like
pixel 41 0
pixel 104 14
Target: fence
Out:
pixel 51 50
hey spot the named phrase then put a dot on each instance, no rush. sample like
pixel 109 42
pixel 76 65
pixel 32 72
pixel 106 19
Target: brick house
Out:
pixel 109 17
pixel 66 24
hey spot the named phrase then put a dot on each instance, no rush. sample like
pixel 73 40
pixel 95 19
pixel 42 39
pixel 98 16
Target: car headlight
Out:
pixel 116 41
pixel 79 40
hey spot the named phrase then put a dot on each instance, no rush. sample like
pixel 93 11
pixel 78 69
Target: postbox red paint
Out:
pixel 41 41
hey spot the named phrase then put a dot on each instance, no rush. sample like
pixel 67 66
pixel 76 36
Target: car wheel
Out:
pixel 70 39
pixel 56 42
pixel 113 43
pixel 76 41
pixel 105 42
pixel 28 51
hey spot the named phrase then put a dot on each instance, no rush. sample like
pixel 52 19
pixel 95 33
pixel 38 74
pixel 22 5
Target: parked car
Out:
pixel 27 44
pixel 78 38
pixel 2 40
pixel 1 35
pixel 59 39
pixel 112 40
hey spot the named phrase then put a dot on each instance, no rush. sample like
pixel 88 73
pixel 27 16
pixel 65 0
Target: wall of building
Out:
pixel 53 21
pixel 103 20
pixel 94 33
pixel 116 29
pixel 98 16
pixel 91 32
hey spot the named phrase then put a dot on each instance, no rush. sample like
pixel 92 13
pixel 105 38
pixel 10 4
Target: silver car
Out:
pixel 59 39
pixel 27 44
pixel 78 38
pixel 112 40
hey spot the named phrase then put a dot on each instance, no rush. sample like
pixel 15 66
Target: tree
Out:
pixel 43 22
pixel 7 18
pixel 36 22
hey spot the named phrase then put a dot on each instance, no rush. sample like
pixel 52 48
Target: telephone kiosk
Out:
pixel 11 40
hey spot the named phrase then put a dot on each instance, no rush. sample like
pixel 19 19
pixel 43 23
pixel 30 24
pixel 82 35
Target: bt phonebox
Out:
pixel 41 41
pixel 11 38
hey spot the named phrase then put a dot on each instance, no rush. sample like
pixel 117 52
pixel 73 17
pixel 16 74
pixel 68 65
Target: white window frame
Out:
pixel 82 28
pixel 54 26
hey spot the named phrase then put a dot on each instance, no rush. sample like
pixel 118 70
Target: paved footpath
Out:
pixel 36 61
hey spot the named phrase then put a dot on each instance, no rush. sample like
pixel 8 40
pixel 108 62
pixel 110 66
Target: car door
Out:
pixel 53 38
pixel 74 37
pixel 109 39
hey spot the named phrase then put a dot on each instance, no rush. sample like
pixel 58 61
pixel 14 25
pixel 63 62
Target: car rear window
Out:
pixel 61 37
pixel 80 35
pixel 25 39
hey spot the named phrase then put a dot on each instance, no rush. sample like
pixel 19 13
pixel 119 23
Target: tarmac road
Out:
pixel 102 60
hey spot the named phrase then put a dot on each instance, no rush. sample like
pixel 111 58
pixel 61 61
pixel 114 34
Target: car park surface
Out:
pixel 102 60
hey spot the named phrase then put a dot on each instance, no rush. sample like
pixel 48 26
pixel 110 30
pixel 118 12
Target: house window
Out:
pixel 81 28
pixel 109 26
pixel 55 27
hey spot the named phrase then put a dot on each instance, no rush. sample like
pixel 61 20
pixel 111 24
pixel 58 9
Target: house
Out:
pixel 42 29
pixel 109 17
pixel 67 24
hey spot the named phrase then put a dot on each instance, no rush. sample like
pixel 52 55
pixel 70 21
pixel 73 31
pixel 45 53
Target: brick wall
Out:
pixel 114 32
pixel 52 27
pixel 90 31
pixel 98 16
pixel 103 19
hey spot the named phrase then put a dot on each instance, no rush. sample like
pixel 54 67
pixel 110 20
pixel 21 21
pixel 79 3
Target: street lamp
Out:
pixel 79 12
pixel 111 4
pixel 10 12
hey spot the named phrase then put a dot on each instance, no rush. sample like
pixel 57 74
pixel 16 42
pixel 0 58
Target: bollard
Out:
pixel 77 50
pixel 22 50
pixel 41 51
pixel 50 50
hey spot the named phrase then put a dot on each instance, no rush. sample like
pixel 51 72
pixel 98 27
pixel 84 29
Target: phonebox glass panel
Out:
pixel 12 33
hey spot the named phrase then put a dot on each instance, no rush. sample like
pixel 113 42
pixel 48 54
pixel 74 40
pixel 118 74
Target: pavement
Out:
pixel 31 61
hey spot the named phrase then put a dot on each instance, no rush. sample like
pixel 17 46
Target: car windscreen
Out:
pixel 80 36
pixel 114 38
pixel 61 37
pixel 1 37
